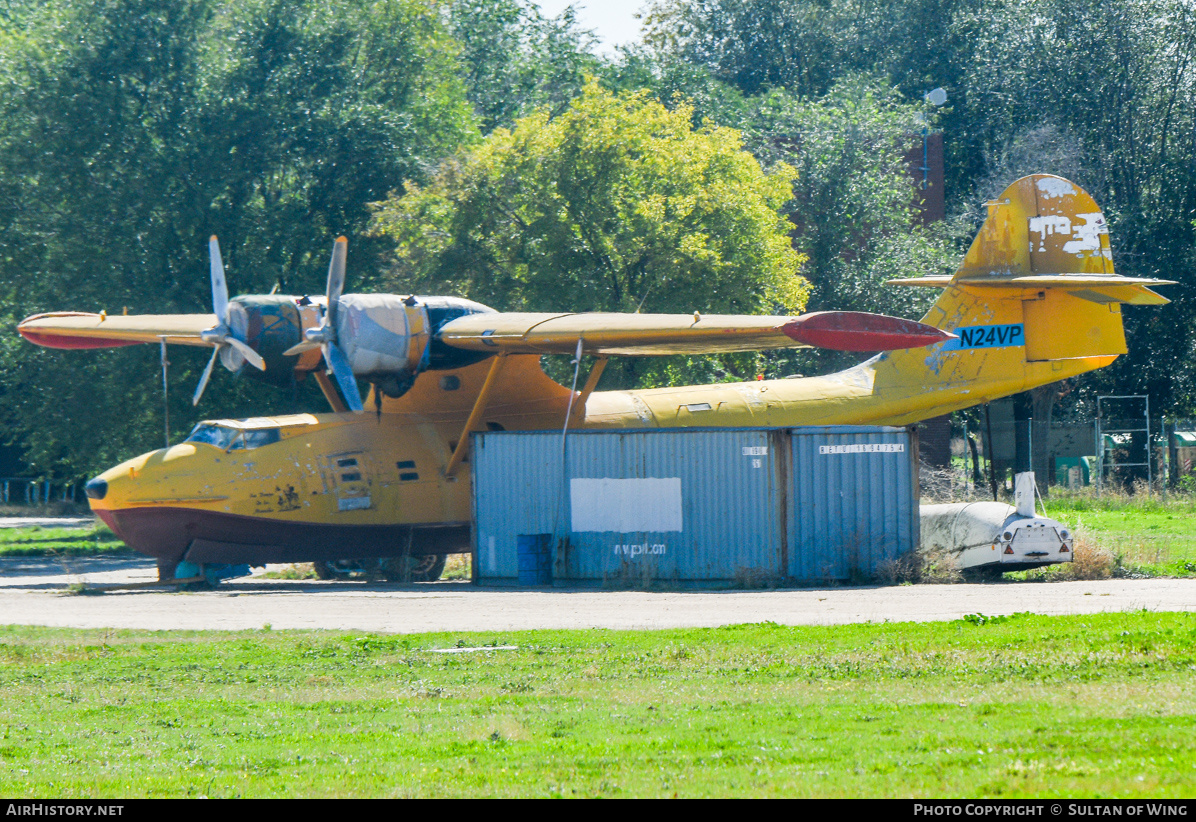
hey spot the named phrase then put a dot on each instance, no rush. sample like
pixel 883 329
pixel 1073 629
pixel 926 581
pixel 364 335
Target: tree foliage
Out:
pixel 1104 92
pixel 130 130
pixel 617 204
pixel 514 59
pixel 1115 86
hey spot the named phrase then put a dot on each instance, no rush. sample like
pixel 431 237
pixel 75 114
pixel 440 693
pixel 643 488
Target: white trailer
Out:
pixel 989 538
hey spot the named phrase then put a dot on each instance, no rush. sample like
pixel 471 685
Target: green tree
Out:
pixel 1118 83
pixel 854 203
pixel 617 204
pixel 130 130
pixel 515 59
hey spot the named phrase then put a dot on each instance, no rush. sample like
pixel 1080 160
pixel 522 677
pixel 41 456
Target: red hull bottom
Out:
pixel 172 535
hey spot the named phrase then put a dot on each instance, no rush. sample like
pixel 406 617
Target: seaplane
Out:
pixel 1035 300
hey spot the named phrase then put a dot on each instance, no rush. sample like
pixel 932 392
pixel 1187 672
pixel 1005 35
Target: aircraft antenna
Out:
pixel 565 434
pixel 646 293
pixel 165 393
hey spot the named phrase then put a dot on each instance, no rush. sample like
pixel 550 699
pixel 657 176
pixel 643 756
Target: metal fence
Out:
pixel 1113 452
pixel 29 491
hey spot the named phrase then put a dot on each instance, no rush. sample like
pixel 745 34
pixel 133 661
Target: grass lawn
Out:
pixel 1142 533
pixel 38 541
pixel 1095 706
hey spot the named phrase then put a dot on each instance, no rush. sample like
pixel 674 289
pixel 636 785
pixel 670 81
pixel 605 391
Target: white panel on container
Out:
pixel 626 506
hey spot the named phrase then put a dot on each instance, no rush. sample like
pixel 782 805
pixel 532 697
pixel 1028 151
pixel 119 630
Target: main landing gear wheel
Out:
pixel 424 568
pixel 339 568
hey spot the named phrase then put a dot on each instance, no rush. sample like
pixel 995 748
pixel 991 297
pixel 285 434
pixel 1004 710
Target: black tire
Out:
pixel 339 568
pixel 423 568
pixel 985 573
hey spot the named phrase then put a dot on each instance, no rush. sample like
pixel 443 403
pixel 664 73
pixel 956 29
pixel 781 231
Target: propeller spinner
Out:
pixel 221 335
pixel 324 337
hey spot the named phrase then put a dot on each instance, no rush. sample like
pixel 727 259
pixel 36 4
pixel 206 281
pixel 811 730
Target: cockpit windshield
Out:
pixel 232 439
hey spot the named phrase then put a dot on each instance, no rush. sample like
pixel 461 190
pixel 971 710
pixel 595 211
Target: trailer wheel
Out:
pixel 985 573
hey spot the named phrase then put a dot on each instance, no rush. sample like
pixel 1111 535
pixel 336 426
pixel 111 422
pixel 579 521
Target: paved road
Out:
pixel 35 592
pixel 47 522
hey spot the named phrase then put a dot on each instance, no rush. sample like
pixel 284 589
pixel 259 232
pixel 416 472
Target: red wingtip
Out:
pixel 859 331
pixel 48 339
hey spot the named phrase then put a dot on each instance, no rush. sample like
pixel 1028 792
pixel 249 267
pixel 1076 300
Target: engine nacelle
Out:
pixel 384 338
pixel 270 324
pixel 390 340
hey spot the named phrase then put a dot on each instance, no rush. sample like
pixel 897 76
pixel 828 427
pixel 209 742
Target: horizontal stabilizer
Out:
pixel 1045 233
pixel 1098 288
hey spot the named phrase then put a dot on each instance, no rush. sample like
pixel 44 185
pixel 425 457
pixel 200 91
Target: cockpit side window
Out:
pixel 234 439
pixel 257 438
pixel 217 435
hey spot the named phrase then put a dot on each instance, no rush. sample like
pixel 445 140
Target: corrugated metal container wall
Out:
pixel 694 504
pixel 698 505
pixel 854 503
pixel 516 490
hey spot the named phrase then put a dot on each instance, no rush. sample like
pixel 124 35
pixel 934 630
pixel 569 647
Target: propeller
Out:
pixel 222 336
pixel 324 337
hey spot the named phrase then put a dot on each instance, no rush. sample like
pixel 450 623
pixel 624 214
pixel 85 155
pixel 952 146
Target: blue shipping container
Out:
pixel 696 505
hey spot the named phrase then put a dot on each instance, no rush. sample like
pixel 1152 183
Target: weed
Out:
pixel 76 589
pixel 298 571
pixel 458 567
pixel 909 567
pixel 752 578
pixel 1089 559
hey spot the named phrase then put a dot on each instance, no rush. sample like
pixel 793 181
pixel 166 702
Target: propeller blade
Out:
pixel 299 348
pixel 860 331
pixel 344 377
pixel 207 375
pixel 336 282
pixel 248 353
pixel 219 284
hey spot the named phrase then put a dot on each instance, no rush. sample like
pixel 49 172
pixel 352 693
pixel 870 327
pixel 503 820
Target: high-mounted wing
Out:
pixel 77 330
pixel 661 334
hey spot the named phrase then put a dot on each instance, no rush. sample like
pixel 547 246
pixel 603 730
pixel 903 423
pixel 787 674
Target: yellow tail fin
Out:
pixel 1036 300
pixel 1044 245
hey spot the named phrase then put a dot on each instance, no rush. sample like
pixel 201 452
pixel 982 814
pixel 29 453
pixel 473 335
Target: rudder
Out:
pixel 1045 245
pixel 1035 300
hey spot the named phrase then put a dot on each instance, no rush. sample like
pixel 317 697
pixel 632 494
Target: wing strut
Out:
pixel 334 399
pixel 478 407
pixel 579 407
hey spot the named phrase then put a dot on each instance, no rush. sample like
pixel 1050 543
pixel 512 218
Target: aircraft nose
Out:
pixel 96 488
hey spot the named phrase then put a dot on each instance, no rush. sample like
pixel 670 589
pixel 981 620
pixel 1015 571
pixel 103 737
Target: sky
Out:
pixel 613 21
